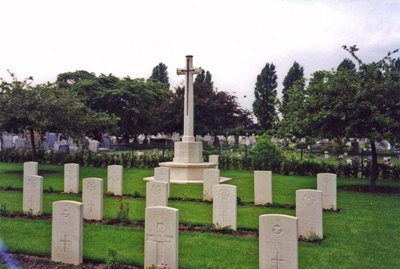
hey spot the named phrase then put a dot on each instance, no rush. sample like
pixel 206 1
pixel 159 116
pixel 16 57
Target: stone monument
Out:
pixel 188 165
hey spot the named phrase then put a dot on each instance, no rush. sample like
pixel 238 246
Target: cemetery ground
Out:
pixel 362 234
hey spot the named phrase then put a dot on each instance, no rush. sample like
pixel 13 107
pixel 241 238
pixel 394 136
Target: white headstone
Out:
pixel 33 195
pixel 71 178
pixel 210 178
pixel 262 187
pixel 224 206
pixel 94 145
pixel 92 198
pixel 156 193
pixel 67 232
pixel 30 169
pixel 309 213
pixel 114 179
pixel 278 245
pixel 326 182
pixel 214 159
pixel 163 174
pixel 161 237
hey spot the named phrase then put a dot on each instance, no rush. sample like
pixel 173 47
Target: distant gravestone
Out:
pixel 326 182
pixel 105 142
pixel 33 195
pixel 214 159
pixel 46 145
pixel 63 149
pixel 161 237
pixel 224 206
pixel 92 198
pixel 163 174
pixel 278 245
pixel 67 232
pixel 210 178
pixel 309 213
pixel 30 169
pixel 114 179
pixel 52 138
pixel 93 146
pixel 156 193
pixel 20 143
pixel 262 187
pixel 8 142
pixel 71 178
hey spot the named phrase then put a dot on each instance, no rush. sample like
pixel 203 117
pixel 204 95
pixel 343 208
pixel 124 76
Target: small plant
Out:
pixel 137 194
pixel 3 208
pixel 29 213
pixel 8 187
pixel 112 262
pixel 50 189
pixel 239 200
pixel 123 213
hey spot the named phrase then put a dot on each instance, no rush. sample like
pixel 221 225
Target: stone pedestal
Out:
pixel 188 152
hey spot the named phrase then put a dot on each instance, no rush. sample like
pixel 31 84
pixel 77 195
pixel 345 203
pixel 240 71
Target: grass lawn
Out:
pixel 364 234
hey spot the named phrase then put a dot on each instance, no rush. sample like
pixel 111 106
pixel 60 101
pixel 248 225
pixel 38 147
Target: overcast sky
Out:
pixel 232 39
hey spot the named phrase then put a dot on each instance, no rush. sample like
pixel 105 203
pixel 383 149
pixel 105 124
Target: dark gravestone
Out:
pixel 63 149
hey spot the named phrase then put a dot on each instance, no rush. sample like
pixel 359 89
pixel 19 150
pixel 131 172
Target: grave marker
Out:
pixel 224 206
pixel 309 213
pixel 326 182
pixel 262 187
pixel 214 159
pixel 163 174
pixel 161 237
pixel 33 195
pixel 114 179
pixel 92 198
pixel 71 178
pixel 67 232
pixel 210 178
pixel 278 245
pixel 30 169
pixel 156 193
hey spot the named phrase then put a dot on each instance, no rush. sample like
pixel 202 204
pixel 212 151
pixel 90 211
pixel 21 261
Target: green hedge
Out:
pixel 279 165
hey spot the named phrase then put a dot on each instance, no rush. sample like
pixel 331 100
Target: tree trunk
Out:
pixel 374 167
pixel 216 141
pixel 32 135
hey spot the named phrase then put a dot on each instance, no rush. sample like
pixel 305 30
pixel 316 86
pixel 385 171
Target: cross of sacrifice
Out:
pixel 189 71
pixel 277 260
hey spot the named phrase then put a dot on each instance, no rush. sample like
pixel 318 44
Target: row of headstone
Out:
pixel 114 179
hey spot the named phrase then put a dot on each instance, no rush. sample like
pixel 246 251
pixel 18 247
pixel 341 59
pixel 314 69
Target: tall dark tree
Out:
pixel 264 106
pixel 295 74
pixel 160 74
pixel 347 64
pixel 204 77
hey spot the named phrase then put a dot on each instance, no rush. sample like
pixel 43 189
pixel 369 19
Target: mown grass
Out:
pixel 364 234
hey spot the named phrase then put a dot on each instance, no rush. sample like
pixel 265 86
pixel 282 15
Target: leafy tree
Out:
pixel 45 107
pixel 204 77
pixel 295 74
pixel 362 103
pixel 160 74
pixel 264 106
pixel 347 64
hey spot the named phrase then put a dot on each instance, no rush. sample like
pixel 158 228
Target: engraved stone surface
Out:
pixel 163 174
pixel 92 198
pixel 33 195
pixel 309 213
pixel 30 169
pixel 211 178
pixel 326 182
pixel 278 245
pixel 71 178
pixel 262 187
pixel 214 159
pixel 161 237
pixel 156 193
pixel 67 232
pixel 224 206
pixel 115 175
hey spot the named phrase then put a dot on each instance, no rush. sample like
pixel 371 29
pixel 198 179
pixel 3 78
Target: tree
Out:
pixel 347 64
pixel 45 107
pixel 343 104
pixel 204 77
pixel 295 74
pixel 160 74
pixel 264 106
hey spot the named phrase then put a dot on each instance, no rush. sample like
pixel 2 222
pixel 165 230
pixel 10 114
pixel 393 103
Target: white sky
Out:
pixel 232 39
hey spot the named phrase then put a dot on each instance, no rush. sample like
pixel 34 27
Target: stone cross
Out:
pixel 189 71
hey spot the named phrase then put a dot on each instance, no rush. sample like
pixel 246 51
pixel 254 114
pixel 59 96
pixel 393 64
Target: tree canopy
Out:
pixel 160 74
